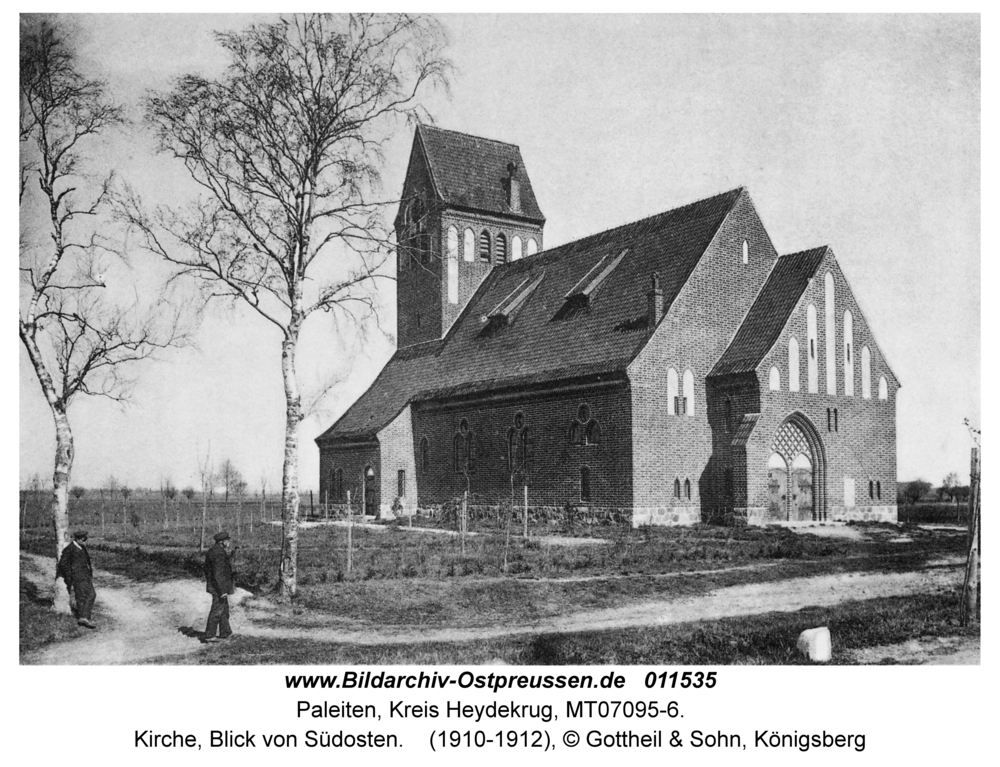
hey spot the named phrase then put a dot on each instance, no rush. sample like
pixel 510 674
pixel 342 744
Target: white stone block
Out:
pixel 815 644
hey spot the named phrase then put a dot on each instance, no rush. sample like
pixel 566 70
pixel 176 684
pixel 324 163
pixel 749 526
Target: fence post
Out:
pixel 349 526
pixel 464 521
pixel 970 588
pixel 525 511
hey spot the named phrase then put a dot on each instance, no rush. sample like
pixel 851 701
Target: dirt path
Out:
pixel 148 621
pixel 137 621
pixel 781 596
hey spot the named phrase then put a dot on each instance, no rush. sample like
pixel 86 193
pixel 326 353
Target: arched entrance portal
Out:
pixel 795 468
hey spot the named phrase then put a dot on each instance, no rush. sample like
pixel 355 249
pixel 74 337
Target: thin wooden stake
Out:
pixel 526 511
pixel 463 525
pixel 970 588
pixel 350 524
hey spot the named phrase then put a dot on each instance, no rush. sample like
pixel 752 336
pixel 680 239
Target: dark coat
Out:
pixel 218 571
pixel 74 565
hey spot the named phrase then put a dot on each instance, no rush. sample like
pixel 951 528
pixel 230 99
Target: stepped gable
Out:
pixel 469 172
pixel 542 342
pixel 770 312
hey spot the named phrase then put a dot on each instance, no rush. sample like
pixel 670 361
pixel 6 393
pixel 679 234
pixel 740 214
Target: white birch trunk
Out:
pixel 287 584
pixel 63 462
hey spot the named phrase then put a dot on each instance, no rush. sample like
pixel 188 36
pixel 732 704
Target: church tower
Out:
pixel 467 207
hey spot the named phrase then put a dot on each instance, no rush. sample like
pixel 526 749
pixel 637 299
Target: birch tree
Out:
pixel 286 147
pixel 77 338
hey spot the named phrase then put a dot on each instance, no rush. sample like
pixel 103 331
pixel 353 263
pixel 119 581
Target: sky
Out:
pixel 857 132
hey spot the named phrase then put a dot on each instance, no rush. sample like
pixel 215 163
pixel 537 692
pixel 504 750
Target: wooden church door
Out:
pixel 801 501
pixel 777 484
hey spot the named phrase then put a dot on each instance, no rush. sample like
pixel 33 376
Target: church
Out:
pixel 670 371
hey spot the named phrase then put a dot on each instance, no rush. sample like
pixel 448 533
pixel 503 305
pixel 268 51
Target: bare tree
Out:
pixel 207 477
pixel 287 148
pixel 230 477
pixel 950 485
pixel 76 338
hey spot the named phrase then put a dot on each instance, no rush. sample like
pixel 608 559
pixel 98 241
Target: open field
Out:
pixel 405 580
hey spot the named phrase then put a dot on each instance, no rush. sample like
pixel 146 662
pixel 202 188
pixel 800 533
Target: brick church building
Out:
pixel 669 371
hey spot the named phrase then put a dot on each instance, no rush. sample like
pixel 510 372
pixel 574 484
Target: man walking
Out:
pixel 219 583
pixel 76 570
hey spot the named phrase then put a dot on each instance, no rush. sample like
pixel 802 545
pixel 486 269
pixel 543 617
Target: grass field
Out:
pixel 750 640
pixel 413 578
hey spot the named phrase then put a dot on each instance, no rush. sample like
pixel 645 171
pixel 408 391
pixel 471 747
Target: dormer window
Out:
pixel 582 294
pixel 506 310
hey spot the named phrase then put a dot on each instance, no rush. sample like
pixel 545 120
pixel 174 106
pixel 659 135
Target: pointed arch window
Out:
pixel 469 245
pixel 585 430
pixel 584 483
pixel 774 379
pixel 812 362
pixel 829 310
pixel 464 445
pixel 746 252
pixel 687 489
pixel 677 488
pixel 793 364
pixel 871 489
pixel 878 489
pixel 866 373
pixel 728 407
pixel 829 419
pixel 592 434
pixel 424 455
pixel 338 484
pixel 501 248
pixel 485 247
pixel 688 392
pixel 883 388
pixel 532 247
pixel 848 354
pixel 519 452
pixel 452 265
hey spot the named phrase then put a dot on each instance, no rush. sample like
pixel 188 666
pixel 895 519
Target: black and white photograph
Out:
pixel 499 340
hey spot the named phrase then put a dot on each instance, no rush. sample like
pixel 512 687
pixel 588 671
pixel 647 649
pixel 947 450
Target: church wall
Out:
pixel 729 400
pixel 694 333
pixel 860 441
pixel 554 476
pixel 396 441
pixel 353 459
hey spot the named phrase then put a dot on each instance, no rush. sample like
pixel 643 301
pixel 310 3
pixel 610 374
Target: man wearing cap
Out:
pixel 219 583
pixel 76 570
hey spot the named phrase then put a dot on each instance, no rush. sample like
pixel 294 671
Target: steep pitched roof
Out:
pixel 469 171
pixel 543 344
pixel 770 312
pixel 407 371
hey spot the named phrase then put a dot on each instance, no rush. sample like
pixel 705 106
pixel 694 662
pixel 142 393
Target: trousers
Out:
pixel 218 618
pixel 85 597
